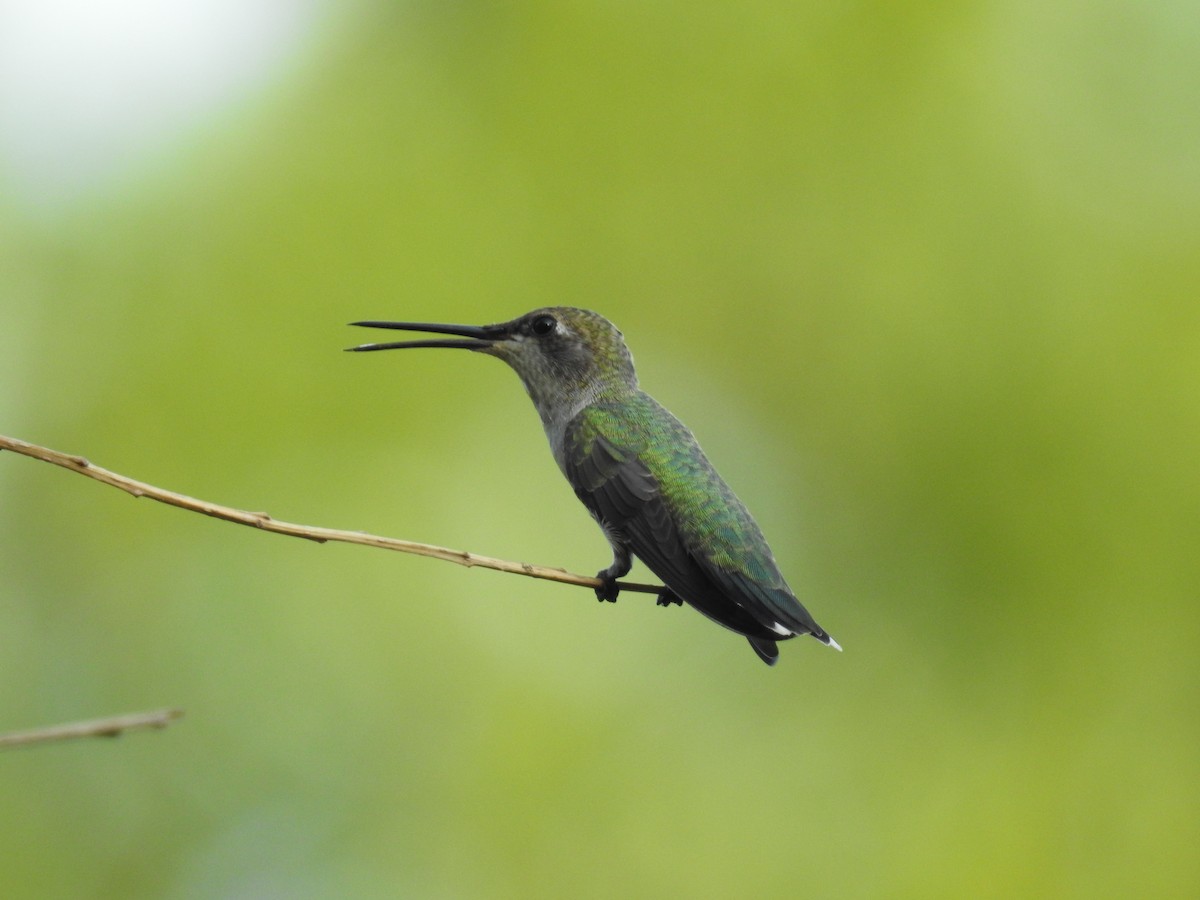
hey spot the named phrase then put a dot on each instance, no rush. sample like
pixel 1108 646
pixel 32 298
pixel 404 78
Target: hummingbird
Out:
pixel 638 470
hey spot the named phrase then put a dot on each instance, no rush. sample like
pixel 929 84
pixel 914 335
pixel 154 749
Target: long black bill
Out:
pixel 481 337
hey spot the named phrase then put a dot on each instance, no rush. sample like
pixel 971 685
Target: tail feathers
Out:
pixel 766 649
pixel 826 638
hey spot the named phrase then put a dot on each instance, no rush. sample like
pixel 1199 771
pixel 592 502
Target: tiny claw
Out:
pixel 668 597
pixel 609 590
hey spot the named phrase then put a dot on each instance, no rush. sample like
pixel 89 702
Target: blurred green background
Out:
pixel 923 280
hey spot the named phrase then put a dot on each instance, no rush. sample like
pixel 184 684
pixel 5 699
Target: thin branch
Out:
pixel 113 726
pixel 264 522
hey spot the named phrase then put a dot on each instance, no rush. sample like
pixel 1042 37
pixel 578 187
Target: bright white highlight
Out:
pixel 88 89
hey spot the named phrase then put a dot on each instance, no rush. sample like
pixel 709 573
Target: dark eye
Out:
pixel 542 325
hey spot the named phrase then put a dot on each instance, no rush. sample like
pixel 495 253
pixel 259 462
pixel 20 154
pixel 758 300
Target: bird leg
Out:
pixel 621 564
pixel 666 597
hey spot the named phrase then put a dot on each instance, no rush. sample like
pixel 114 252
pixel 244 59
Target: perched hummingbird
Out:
pixel 639 471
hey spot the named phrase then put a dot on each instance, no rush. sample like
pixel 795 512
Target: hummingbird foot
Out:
pixel 609 590
pixel 668 597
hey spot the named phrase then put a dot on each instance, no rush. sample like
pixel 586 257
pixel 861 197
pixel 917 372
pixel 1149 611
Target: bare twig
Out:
pixel 113 726
pixel 264 522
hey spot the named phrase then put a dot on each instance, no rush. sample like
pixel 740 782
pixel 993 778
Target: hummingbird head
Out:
pixel 567 358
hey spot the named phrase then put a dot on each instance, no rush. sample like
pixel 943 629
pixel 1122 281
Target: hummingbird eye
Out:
pixel 542 325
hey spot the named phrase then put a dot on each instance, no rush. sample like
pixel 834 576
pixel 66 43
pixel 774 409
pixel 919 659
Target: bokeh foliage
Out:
pixel 923 279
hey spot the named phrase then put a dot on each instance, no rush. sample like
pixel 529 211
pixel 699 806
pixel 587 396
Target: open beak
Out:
pixel 480 337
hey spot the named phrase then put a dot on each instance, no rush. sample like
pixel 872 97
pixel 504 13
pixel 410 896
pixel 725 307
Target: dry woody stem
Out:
pixel 264 522
pixel 113 726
